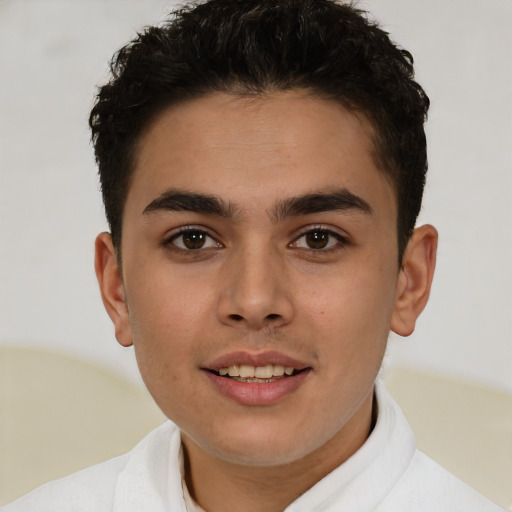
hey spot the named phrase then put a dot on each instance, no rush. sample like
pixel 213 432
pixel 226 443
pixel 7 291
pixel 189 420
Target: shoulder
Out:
pixel 427 486
pixel 92 489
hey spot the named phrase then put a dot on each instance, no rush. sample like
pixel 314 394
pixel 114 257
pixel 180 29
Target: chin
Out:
pixel 262 447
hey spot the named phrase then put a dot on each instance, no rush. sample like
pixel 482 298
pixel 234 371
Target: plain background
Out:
pixel 54 52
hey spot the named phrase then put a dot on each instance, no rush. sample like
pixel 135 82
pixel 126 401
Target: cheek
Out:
pixel 352 312
pixel 166 316
pixel 163 337
pixel 165 305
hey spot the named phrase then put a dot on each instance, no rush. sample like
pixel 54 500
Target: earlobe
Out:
pixel 415 279
pixel 111 287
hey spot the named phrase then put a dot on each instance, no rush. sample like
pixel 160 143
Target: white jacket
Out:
pixel 387 474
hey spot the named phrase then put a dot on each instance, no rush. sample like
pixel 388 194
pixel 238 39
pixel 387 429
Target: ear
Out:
pixel 111 287
pixel 415 280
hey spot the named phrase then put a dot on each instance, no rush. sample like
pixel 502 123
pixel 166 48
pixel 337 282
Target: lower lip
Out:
pixel 257 393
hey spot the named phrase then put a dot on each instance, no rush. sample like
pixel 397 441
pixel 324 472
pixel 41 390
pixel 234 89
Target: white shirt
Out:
pixel 387 474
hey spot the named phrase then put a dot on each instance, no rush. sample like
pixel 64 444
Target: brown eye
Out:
pixel 193 240
pixel 317 239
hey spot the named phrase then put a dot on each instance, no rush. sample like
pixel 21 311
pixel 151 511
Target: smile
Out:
pixel 257 385
pixel 257 379
pixel 247 373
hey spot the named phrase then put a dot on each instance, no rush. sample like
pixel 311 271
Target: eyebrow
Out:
pixel 178 200
pixel 317 202
pixel 183 201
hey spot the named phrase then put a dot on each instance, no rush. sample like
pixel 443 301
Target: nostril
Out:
pixel 273 316
pixel 237 318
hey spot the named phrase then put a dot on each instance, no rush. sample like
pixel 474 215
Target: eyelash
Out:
pixel 191 230
pixel 340 240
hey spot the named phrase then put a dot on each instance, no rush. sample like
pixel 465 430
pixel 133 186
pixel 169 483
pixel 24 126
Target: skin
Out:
pixel 257 284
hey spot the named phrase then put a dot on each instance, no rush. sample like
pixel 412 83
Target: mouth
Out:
pixel 257 374
pixel 257 379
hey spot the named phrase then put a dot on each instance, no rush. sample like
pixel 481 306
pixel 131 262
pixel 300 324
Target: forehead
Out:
pixel 250 149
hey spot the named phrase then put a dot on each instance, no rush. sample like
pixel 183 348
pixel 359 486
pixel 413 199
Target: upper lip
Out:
pixel 256 359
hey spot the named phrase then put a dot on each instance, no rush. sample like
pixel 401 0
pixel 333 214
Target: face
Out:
pixel 259 240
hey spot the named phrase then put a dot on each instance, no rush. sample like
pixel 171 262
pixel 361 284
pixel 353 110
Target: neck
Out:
pixel 218 484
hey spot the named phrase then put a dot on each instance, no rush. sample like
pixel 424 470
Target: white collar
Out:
pixel 363 481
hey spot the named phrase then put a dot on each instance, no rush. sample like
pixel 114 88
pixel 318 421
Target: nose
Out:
pixel 255 292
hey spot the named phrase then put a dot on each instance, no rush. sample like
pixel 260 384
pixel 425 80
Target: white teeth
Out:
pixel 245 371
pixel 278 370
pixel 264 372
pixel 233 371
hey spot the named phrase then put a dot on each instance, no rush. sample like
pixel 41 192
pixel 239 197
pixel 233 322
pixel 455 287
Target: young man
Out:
pixel 262 166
